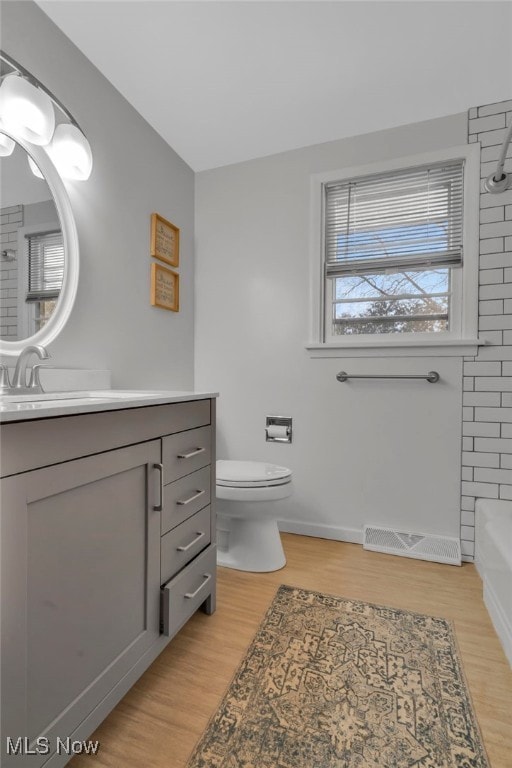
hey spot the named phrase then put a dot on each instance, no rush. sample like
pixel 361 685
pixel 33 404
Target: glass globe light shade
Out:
pixel 26 111
pixel 35 168
pixel 70 152
pixel 6 145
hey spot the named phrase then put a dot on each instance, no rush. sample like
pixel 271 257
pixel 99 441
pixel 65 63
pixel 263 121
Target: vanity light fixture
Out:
pixel 70 152
pixel 28 112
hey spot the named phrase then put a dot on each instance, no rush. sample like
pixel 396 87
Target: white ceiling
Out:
pixel 224 82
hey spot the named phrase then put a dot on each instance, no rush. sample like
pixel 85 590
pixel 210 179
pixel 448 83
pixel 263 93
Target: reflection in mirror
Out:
pixel 32 249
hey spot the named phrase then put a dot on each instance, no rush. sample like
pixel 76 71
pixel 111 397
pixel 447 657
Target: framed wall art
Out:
pixel 165 240
pixel 165 288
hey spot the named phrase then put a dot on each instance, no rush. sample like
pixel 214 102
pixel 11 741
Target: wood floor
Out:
pixel 159 721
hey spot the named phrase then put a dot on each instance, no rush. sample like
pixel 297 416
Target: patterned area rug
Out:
pixel 333 683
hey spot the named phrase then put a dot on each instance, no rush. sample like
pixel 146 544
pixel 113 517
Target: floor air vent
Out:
pixel 440 549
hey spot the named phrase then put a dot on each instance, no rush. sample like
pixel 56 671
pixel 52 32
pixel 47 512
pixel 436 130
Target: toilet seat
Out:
pixel 251 474
pixel 248 534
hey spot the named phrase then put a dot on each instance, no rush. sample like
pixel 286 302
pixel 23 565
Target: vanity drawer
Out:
pixel 185 497
pixel 185 452
pixel 181 545
pixel 183 595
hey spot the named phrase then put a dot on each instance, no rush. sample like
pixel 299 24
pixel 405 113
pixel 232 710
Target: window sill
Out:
pixel 398 348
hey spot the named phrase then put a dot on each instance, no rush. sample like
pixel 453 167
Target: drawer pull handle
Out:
pixel 196 495
pixel 199 535
pixel 189 455
pixel 160 468
pixel 206 577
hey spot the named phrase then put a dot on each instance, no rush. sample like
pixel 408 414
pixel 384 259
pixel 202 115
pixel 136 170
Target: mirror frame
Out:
pixel 71 259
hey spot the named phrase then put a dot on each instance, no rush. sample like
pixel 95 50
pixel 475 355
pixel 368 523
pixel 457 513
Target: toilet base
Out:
pixel 252 545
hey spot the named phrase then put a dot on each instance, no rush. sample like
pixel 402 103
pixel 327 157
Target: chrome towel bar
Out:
pixel 431 376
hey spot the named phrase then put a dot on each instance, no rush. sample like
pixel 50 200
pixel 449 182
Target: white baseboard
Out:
pixel 499 620
pixel 352 535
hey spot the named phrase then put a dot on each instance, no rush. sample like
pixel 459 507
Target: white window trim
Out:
pixel 463 338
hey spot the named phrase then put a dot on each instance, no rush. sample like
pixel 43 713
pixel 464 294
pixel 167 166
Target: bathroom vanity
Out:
pixel 107 531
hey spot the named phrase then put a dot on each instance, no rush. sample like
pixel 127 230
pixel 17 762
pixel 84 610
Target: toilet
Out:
pixel 247 534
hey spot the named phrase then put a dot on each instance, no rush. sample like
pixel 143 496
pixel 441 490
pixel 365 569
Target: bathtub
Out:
pixel 493 558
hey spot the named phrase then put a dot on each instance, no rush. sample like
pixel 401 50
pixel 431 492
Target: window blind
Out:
pixel 45 265
pixel 405 220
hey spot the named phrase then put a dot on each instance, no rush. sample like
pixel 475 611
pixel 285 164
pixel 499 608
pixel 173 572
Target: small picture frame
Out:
pixel 165 240
pixel 165 288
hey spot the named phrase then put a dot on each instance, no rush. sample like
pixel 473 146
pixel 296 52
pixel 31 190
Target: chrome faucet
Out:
pixel 19 382
pixel 5 384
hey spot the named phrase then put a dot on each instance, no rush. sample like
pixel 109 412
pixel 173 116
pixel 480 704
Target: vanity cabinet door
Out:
pixel 80 588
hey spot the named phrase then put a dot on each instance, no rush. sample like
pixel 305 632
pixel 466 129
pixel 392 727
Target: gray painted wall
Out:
pixel 386 453
pixel 135 173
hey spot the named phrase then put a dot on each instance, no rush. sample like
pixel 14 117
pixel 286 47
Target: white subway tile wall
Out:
pixel 487 397
pixel 12 219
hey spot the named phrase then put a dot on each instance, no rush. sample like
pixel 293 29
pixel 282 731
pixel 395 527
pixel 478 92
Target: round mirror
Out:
pixel 38 252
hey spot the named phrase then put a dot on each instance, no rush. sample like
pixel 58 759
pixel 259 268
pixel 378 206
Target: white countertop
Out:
pixel 51 404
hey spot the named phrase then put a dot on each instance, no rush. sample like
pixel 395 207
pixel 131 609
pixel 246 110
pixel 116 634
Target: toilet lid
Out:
pixel 251 474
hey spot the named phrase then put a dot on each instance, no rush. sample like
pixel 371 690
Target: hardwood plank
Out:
pixel 159 721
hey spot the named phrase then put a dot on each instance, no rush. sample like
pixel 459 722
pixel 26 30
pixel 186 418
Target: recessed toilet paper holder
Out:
pixel 278 429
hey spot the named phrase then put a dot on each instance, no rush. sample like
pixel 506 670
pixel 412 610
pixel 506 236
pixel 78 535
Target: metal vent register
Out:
pixel 422 546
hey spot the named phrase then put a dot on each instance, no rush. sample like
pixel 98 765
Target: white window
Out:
pixel 396 244
pixel 45 275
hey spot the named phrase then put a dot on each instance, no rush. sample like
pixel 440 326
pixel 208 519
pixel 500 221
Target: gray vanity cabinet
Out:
pixel 80 549
pixel 107 547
